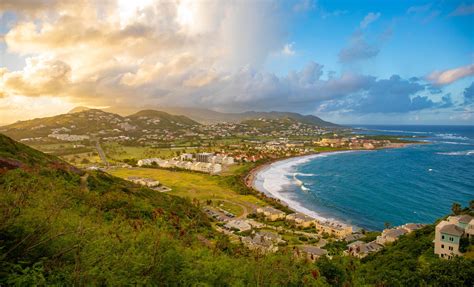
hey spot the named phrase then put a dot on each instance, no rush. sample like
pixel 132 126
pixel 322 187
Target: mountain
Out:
pixel 84 121
pixel 206 116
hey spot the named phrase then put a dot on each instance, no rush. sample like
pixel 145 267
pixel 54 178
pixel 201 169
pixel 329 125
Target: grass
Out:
pixel 198 186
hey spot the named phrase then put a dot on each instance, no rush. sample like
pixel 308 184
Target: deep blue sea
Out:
pixel 417 183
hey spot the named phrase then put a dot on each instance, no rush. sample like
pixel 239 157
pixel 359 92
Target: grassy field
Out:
pixel 198 186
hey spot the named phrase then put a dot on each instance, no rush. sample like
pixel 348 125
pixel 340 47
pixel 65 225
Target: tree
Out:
pixel 471 205
pixel 387 224
pixel 456 208
pixel 333 272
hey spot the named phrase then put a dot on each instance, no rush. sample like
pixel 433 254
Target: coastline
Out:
pixel 252 179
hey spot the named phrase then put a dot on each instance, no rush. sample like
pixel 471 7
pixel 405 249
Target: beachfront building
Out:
pixel 336 229
pixel 270 213
pixel 300 219
pixel 448 235
pixel 361 249
pixel 312 253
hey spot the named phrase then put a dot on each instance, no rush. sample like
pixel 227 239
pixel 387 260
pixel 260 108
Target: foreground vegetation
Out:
pixel 63 226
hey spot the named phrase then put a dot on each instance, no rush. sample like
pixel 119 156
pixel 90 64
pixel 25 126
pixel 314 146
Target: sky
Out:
pixel 350 62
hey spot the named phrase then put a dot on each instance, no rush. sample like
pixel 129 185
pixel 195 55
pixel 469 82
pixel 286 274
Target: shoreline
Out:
pixel 251 180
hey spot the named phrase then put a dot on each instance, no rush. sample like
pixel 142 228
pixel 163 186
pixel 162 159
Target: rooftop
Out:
pixel 466 218
pixel 313 250
pixel 452 229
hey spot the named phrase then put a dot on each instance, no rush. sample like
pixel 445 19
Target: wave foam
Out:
pixel 448 136
pixel 276 176
pixel 400 131
pixel 458 153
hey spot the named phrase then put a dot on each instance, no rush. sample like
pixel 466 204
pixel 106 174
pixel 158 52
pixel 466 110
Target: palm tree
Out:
pixel 456 208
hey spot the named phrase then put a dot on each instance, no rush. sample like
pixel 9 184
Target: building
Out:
pixel 204 157
pixel 271 214
pixel 300 219
pixel 390 235
pixel 353 237
pixel 361 249
pixel 312 253
pixel 195 166
pixel 186 156
pixel 336 229
pixel 144 181
pixel 410 227
pixel 448 235
pixel 239 225
pixel 264 241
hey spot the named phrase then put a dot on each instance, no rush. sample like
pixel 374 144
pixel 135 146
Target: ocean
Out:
pixel 416 183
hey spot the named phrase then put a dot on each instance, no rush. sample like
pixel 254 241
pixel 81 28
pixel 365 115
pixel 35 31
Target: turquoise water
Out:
pixel 367 188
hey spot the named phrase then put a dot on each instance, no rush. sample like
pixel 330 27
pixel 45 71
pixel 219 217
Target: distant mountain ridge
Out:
pixel 206 116
pixel 86 121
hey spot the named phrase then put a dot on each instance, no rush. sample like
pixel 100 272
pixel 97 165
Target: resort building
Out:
pixel 353 237
pixel 312 253
pixel 204 157
pixel 410 227
pixel 390 235
pixel 300 219
pixel 238 225
pixel 271 214
pixel 448 235
pixel 361 249
pixel 264 241
pixel 336 229
pixel 186 156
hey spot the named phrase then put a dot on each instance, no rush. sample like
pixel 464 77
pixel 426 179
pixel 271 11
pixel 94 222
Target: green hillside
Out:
pixel 63 226
pixel 162 119
pixel 89 122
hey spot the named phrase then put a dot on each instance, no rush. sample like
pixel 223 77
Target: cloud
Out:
pixel 463 10
pixel 40 77
pixel 469 94
pixel 288 49
pixel 387 96
pixel 304 5
pixel 368 19
pixel 419 9
pixel 449 76
pixel 358 49
pixel 184 53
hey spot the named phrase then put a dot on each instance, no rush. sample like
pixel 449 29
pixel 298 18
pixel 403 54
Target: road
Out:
pixel 101 153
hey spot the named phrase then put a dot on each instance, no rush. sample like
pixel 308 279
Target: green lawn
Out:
pixel 196 186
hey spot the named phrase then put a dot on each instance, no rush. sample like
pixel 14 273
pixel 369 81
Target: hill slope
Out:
pixel 92 121
pixel 62 226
